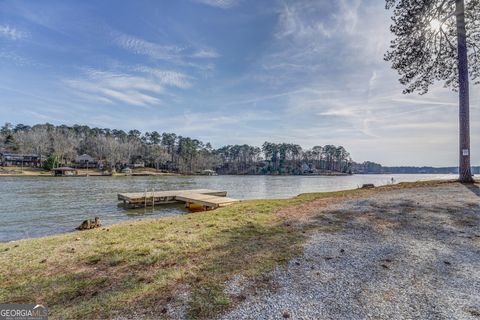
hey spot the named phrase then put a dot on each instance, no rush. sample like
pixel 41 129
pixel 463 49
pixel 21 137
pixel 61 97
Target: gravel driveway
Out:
pixel 402 254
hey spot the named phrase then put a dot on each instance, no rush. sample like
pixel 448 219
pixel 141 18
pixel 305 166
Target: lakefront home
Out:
pixel 85 161
pixel 138 164
pixel 20 160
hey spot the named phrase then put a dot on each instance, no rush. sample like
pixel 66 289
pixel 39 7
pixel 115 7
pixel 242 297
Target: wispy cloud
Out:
pixel 186 55
pixel 206 53
pixel 101 90
pixel 321 41
pixel 223 4
pixel 166 77
pixel 143 87
pixel 17 59
pixel 12 33
pixel 294 22
pixel 143 47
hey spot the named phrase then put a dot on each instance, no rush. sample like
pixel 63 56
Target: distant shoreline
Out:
pixel 38 172
pixel 43 173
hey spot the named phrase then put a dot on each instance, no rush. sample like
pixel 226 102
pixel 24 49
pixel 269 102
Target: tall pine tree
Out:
pixel 438 40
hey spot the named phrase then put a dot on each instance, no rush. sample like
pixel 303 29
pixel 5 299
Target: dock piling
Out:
pixel 153 199
pixel 145 197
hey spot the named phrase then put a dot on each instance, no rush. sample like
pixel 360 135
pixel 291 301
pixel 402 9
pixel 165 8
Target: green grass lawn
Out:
pixel 138 266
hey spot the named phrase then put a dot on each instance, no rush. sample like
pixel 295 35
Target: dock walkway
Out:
pixel 205 198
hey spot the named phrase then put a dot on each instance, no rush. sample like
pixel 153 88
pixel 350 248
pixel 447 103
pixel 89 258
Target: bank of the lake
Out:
pixel 39 206
pixel 183 266
pixel 81 172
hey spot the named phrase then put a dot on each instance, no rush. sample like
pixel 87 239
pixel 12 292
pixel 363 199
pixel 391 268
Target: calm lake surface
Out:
pixel 38 206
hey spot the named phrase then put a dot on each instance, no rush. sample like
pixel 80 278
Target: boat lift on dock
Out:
pixel 205 199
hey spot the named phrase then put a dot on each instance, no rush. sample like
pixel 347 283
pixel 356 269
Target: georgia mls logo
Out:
pixel 23 312
pixel 39 311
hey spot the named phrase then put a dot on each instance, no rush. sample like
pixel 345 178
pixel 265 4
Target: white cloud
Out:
pixel 223 4
pixel 12 33
pixel 348 14
pixel 142 86
pixel 294 22
pixel 315 39
pixel 206 53
pixel 166 77
pixel 143 47
pixel 189 55
pixel 101 91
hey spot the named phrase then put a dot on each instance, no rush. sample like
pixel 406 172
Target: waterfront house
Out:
pixel 85 161
pixel 20 160
pixel 307 168
pixel 138 164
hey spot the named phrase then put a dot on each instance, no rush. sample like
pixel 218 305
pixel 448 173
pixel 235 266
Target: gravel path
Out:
pixel 403 254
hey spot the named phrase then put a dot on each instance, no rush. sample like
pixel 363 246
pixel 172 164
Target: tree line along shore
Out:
pixel 112 150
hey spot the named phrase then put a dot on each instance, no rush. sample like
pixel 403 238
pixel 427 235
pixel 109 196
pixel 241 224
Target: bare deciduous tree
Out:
pixel 63 145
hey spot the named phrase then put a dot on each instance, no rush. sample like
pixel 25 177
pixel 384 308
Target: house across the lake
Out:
pixel 20 160
pixel 307 168
pixel 138 164
pixel 85 161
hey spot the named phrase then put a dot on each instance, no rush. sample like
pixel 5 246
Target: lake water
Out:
pixel 38 206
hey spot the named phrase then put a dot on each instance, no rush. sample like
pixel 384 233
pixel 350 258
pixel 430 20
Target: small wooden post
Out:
pixel 153 198
pixel 145 198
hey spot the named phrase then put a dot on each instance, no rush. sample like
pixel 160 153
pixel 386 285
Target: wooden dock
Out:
pixel 205 199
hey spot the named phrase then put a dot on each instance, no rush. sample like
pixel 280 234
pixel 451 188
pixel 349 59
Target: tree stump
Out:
pixel 89 224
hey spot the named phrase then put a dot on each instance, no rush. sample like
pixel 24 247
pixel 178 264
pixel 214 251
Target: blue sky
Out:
pixel 225 71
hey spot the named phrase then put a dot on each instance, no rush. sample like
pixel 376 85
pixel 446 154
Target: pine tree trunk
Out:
pixel 465 174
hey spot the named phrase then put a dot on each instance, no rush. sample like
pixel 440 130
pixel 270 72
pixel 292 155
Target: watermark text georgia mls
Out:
pixel 23 312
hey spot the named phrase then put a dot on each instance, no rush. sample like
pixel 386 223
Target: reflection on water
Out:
pixel 37 206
